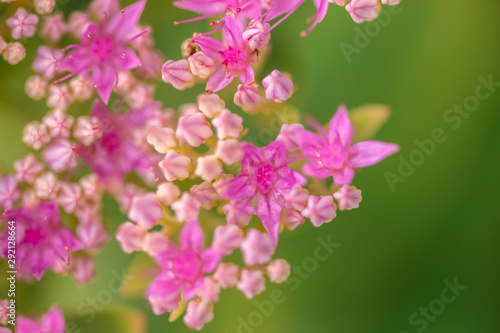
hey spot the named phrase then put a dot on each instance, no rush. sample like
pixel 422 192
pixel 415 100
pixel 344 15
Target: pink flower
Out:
pixel 227 238
pixel 320 209
pixel 332 153
pixel 257 248
pixel 183 268
pixel 46 61
pixel 145 210
pixel 251 283
pixel 278 270
pixel 103 50
pixel 198 313
pixel 22 23
pixel 363 10
pixel 231 59
pixel 265 175
pixel 278 87
pixel 348 197
pixel 9 193
pixel 245 8
pixel 53 322
pixel 42 242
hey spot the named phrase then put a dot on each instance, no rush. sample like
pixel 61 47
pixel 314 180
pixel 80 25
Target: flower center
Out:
pixel 102 48
pixel 33 236
pixel 264 177
pixel 333 156
pixel 235 59
pixel 187 266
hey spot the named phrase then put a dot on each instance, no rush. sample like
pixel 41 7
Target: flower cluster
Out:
pixel 196 192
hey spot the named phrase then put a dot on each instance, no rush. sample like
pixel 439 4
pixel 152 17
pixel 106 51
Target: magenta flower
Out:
pixel 182 270
pixel 332 153
pixel 208 8
pixel 53 322
pixel 116 153
pixel 42 242
pixel 103 50
pixel 231 59
pixel 265 175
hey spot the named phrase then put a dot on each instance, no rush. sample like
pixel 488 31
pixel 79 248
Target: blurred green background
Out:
pixel 400 246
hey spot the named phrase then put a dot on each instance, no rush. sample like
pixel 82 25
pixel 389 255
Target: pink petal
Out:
pixel 269 210
pixel 343 176
pixel 238 188
pixel 128 60
pixel 367 153
pixel 218 80
pixel 310 143
pixel 316 169
pixel 104 80
pixel 124 22
pixel 54 321
pixel 191 237
pixel 340 127
pixel 211 259
pixel 211 47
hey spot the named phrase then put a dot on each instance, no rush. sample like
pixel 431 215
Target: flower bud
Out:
pixel 145 210
pixel 257 248
pixel 208 167
pixel 14 53
pixel 320 209
pixel 178 74
pixel 36 87
pixel 278 270
pixel 162 139
pixel 44 7
pixel 194 129
pixel 198 313
pixel 175 166
pixel 228 125
pixel 22 24
pixel 278 87
pixel 130 236
pixel 348 197
pixel 200 65
pixel 210 104
pixel 229 151
pixel 227 274
pixel 227 238
pixel 248 97
pixel 251 283
pixel 167 193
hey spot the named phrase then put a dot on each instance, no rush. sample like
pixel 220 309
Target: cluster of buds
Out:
pixel 193 187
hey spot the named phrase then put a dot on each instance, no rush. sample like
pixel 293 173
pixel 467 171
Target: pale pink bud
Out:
pixel 102 8
pixel 292 218
pixel 188 109
pixel 227 238
pixel 228 125
pixel 210 104
pixel 175 166
pixel 257 248
pixel 296 198
pixel 87 130
pixel 165 302
pixel 58 123
pixel 27 169
pixel 22 24
pixel 222 182
pixel 289 135
pixel 208 167
pixel 205 194
pixel 83 269
pixel 248 97
pixel 391 2
pixel 257 34
pixel 9 192
pixel 29 199
pixel 278 87
pixel 152 61
pixel 198 313
pixel 140 95
pixel 60 155
pixel 69 197
pixel 178 74
pixel 227 275
pixel 229 151
pixel 251 283
pixel 77 23
pixel 126 81
pixel 3 44
pixel 238 212
pixel 14 53
pixel 46 61
pixel 93 235
pixel 36 87
pixel 90 185
pixel 194 129
pixel 59 96
pixel 145 210
pixel 363 10
pixel 339 2
pixel 130 236
pixel 278 270
pixel 53 27
pixel 348 197
pixel 186 209
pixel 162 139
pixel 44 7
pixel 155 243
pixel 88 212
pixel 200 65
pixel 47 186
pixel 320 209
pixel 209 290
pixel 82 87
pixel 167 193
pixel 35 135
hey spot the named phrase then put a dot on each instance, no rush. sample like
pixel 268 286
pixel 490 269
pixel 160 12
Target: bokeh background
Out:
pixel 400 246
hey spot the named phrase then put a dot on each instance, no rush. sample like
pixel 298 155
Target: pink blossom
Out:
pixel 292 218
pixel 289 135
pixel 296 198
pixel 363 10
pixel 257 248
pixel 60 155
pixel 36 87
pixel 103 50
pixel 265 175
pixel 83 269
pixel 257 34
pixel 278 270
pixel 82 88
pixel 77 23
pixel 187 208
pixel 59 96
pixel 9 193
pixel 22 24
pixel 320 209
pixel 162 139
pixel 210 105
pixel 28 168
pixel 35 135
pixel 200 64
pixel 348 197
pixel 92 234
pixel 194 129
pixel 58 123
pixel 53 322
pixel 227 274
pixel 332 153
pixel 238 212
pixel 42 242
pixel 208 8
pixel 229 151
pixel 44 7
pixel 175 166
pixel 178 74
pixel 53 27
pixel 251 283
pixel 205 194
pixel 130 236
pixel 227 238
pixel 145 210
pixel 234 58
pixel 209 290
pixel 14 53
pixel 198 313
pixel 47 186
pixel 167 193
pixel 183 268
pixel 69 197
pixel 278 87
pixel 228 125
pixel 46 61
pixel 208 167
pixel 248 97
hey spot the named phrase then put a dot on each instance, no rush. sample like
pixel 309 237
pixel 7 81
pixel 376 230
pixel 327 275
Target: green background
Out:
pixel 397 249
